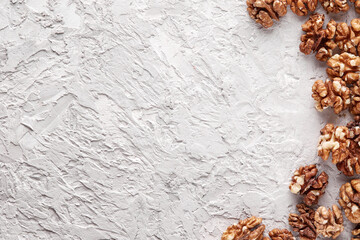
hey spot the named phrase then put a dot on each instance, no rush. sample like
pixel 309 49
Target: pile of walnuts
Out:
pixel 252 229
pixel 342 90
pixel 342 143
pixel 265 12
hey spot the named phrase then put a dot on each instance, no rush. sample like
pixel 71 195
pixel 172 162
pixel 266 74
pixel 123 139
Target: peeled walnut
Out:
pixel 343 142
pixel 314 33
pixel 303 7
pixel 281 234
pixel 351 164
pixel 329 223
pixel 335 6
pixel 347 37
pixel 304 223
pixel 333 140
pixel 333 93
pixel 327 46
pixel 350 200
pixel 265 11
pixel 345 66
pixel 248 229
pixel 316 39
pixel 356 232
pixel 306 183
pixel 343 36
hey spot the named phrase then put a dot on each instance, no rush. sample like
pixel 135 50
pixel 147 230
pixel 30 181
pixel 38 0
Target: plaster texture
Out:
pixel 152 119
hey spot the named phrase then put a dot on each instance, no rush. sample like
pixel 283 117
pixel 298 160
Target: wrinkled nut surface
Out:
pixel 355 98
pixel 347 37
pixel 329 223
pixel 333 94
pixel 306 183
pixel 345 66
pixel 248 229
pixel 281 234
pixel 327 46
pixel 316 39
pixel 304 223
pixel 265 11
pixel 354 129
pixel 356 5
pixel 333 139
pixel 303 7
pixel 356 233
pixel 350 200
pixel 314 34
pixel 335 6
pixel 343 142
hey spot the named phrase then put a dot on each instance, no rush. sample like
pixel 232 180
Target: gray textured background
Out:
pixel 151 119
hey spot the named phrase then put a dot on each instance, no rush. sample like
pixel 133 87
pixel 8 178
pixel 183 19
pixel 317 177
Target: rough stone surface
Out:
pixel 158 119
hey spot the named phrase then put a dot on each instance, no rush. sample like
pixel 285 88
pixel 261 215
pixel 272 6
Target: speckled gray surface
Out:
pixel 151 119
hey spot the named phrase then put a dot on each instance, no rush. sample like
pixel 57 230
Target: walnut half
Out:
pixel 281 234
pixel 335 6
pixel 306 183
pixel 332 93
pixel 333 139
pixel 344 66
pixel 329 223
pixel 248 229
pixel 304 223
pixel 303 7
pixel 350 200
pixel 265 11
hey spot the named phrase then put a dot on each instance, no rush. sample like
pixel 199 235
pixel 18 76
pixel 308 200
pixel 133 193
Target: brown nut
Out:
pixel 316 39
pixel 333 94
pixel 303 7
pixel 350 200
pixel 345 66
pixel 333 140
pixel 335 6
pixel 306 183
pixel 329 223
pixel 281 234
pixel 265 11
pixel 356 232
pixel 304 223
pixel 248 229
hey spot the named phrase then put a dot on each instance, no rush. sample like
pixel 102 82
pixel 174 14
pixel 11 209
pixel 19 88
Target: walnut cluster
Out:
pixel 343 143
pixel 306 182
pixel 252 229
pixel 265 11
pixel 335 6
pixel 336 36
pixel 310 223
pixel 342 90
